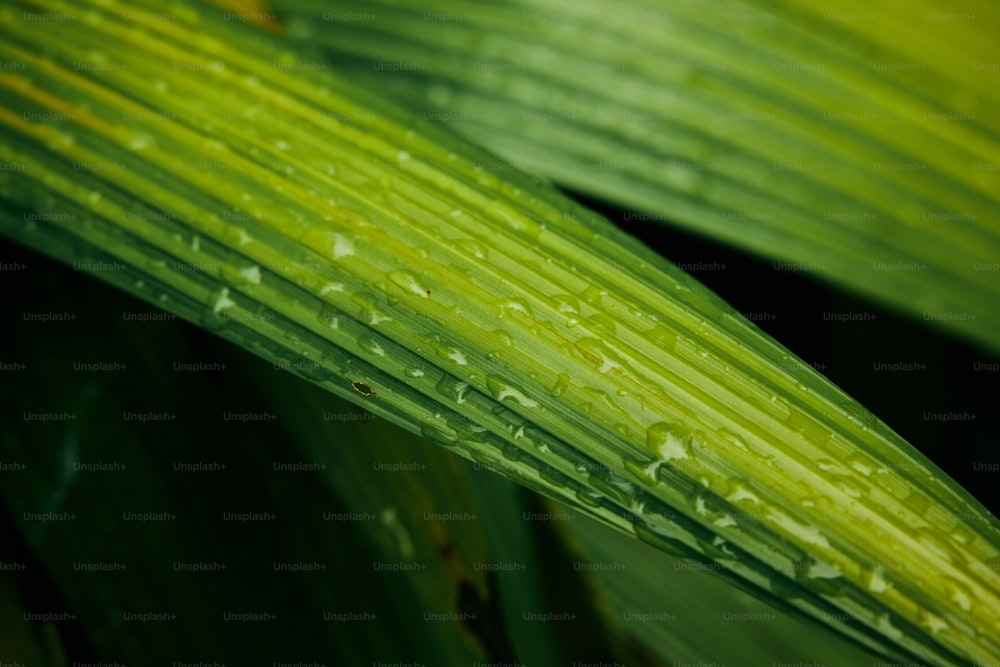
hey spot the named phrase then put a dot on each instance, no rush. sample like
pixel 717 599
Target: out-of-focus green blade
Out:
pixel 855 142
pixel 372 254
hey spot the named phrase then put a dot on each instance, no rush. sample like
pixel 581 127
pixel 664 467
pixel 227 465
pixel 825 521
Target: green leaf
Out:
pixel 367 252
pixel 854 143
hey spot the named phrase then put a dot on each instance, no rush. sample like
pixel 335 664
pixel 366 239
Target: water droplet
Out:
pixel 503 337
pixel 652 470
pixel 849 486
pixel 821 570
pixel 917 502
pixel 875 581
pixel 663 337
pixel 452 388
pixel 589 497
pixel 887 628
pixel 502 391
pixel 562 383
pixel 960 594
pixel 739 491
pixel 932 622
pixel 599 354
pixel 486 179
pixel 659 539
pixel 222 301
pixel 859 415
pixel 375 317
pixel 368 343
pixel 860 463
pixel 342 246
pixel 733 439
pixel 811 429
pixel 242 237
pixel 516 307
pixel 473 248
pixel 806 533
pixel 329 316
pixel 564 303
pixel 962 534
pixel 458 357
pixel 251 275
pixel 512 452
pixel 141 141
pixel 613 486
pixel 435 433
pixel 627 489
pixel 669 440
pixel 592 294
pixel 468 432
pixel 781 407
pixel 214 317
pixel 822 577
pixel 601 323
pixel 409 283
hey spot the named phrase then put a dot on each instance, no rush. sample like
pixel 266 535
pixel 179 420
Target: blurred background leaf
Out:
pixel 857 143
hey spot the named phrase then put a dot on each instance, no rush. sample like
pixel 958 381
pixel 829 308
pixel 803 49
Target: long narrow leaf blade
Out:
pixel 321 229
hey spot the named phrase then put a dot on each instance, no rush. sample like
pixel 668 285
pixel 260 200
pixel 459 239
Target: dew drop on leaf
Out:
pixel 668 440
pixel 409 283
